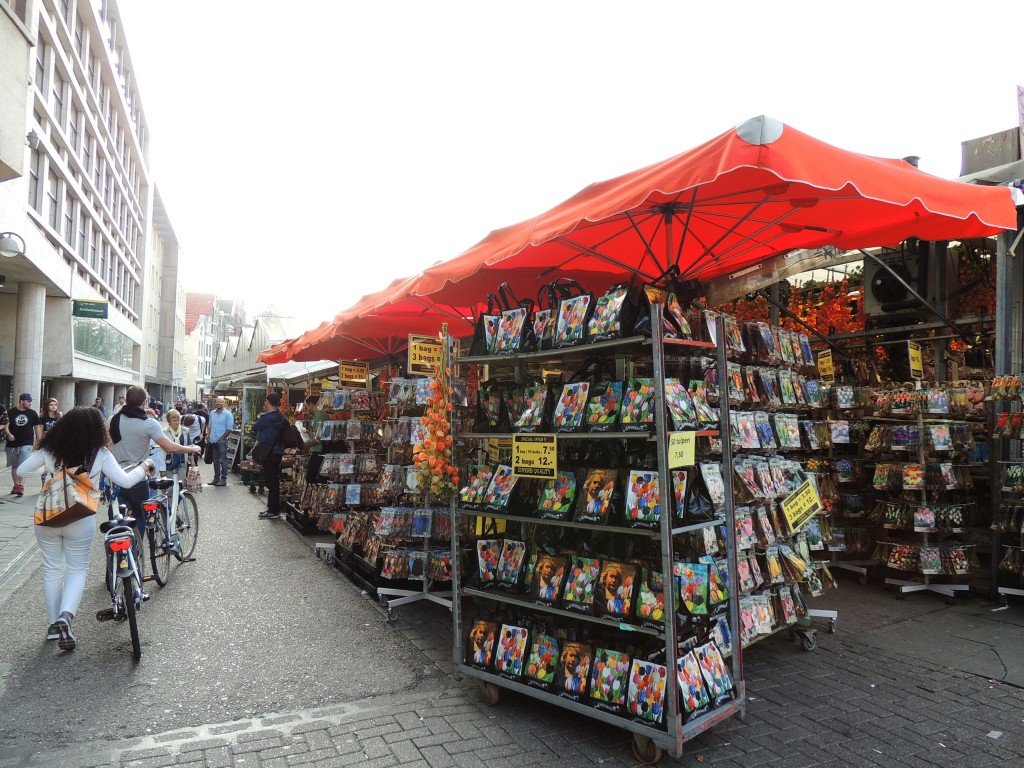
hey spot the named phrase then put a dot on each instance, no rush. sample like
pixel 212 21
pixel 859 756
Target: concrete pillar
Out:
pixel 64 391
pixel 119 391
pixel 28 339
pixel 85 392
pixel 106 391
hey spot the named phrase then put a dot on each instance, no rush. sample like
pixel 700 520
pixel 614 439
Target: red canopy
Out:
pixel 758 190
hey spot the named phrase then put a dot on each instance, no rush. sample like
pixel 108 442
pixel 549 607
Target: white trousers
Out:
pixel 65 552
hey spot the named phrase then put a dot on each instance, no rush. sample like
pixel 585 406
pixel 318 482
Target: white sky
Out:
pixel 310 152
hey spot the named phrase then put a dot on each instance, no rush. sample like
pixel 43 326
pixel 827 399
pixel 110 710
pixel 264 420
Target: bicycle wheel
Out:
pixel 188 525
pixel 159 548
pixel 125 594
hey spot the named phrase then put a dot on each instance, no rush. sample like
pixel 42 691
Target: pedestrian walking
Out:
pixel 268 433
pixel 98 405
pixel 176 433
pixel 222 421
pixel 131 431
pixel 50 413
pixel 23 430
pixel 79 443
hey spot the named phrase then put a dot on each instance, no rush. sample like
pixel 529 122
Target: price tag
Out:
pixel 801 505
pixel 916 361
pixel 535 456
pixel 682 449
pixel 826 369
pixel 351 372
pixel 424 354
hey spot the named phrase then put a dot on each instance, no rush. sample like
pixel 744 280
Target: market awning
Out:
pixel 758 190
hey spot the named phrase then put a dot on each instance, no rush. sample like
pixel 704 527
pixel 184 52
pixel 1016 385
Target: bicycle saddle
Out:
pixel 161 485
pixel 106 525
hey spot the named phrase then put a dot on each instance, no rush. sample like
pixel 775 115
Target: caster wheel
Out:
pixel 900 594
pixel 251 489
pixel 863 579
pixel 645 750
pixel 491 694
pixel 808 642
pixel 831 626
pixel 392 615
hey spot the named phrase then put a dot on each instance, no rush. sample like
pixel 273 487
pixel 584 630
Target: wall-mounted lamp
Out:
pixel 33 140
pixel 11 245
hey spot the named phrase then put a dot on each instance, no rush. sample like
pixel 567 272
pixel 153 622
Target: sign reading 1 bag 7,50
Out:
pixel 424 354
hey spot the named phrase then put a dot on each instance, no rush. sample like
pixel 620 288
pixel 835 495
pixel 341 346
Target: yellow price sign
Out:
pixel 535 456
pixel 351 372
pixel 496 446
pixel 682 449
pixel 826 368
pixel 916 361
pixel 801 505
pixel 424 354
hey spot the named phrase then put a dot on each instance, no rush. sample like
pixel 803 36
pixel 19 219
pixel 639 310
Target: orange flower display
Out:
pixel 433 457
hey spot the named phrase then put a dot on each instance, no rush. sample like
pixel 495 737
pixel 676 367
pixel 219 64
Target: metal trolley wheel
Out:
pixel 645 750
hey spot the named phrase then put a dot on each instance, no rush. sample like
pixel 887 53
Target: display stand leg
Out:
pixel 821 613
pixel 949 590
pixel 1011 591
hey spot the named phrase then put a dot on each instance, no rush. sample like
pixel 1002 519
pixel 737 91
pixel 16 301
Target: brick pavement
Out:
pixel 17 542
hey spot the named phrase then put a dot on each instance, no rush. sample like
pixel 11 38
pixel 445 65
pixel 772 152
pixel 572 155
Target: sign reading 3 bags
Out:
pixel 535 456
pixel 424 354
pixel 801 505
pixel 351 372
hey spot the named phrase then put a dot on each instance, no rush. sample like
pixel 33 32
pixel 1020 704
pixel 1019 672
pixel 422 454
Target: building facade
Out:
pixel 84 206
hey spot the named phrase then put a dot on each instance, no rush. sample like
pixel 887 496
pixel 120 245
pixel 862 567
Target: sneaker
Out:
pixel 66 639
pixel 53 632
pixel 268 515
pixel 215 482
pixel 19 491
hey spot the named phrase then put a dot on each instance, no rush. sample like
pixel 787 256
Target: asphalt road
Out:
pixel 257 625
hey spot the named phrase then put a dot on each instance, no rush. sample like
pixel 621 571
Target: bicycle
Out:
pixel 172 526
pixel 123 574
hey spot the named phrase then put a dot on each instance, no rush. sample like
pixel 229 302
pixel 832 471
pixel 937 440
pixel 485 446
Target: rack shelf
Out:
pixel 504 597
pixel 588 435
pixel 618 529
pixel 690 730
pixel 553 354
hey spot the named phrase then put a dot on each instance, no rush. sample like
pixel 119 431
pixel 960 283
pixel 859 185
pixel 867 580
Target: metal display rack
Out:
pixel 648 740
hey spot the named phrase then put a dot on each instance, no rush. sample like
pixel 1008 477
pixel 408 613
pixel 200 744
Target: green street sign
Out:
pixel 81 308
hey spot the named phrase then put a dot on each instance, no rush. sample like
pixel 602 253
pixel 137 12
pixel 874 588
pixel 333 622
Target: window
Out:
pixel 80 39
pixel 57 98
pixel 110 263
pixel 35 173
pixel 97 176
pixel 92 71
pixel 73 129
pixel 102 271
pixel 99 339
pixel 40 65
pixel 65 10
pixel 53 193
pixel 69 217
pixel 87 153
pixel 93 256
pixel 83 233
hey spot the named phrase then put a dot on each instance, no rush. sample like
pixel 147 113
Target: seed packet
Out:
pixel 763 529
pixel 745 536
pixel 675 311
pixel 609 680
pixel 614 595
pixel 937 401
pixel 733 337
pixel 569 409
pixel 692 583
pixel 929 559
pixel 511 562
pixel 743 577
pixel 805 346
pixel 902 557
pixel 500 488
pixel 752 394
pixel 924 519
pixel 574 670
pixel 533 417
pixel 542 662
pixel 747 629
pixel 643 500
pixel 679 492
pixel 578 594
pixel 637 412
pixel 718 579
pixel 773 566
pixel 509 336
pixel 844 397
pixel 710 540
pixel 693 695
pixel 606 321
pixel 812 393
pixel 488 555
pixel 646 696
pixel 765 436
pixel 839 432
pixel 571 324
pixel 480 643
pixel 786 390
pixel 913 477
pixel 769 387
pixel 954 561
pixel 416 565
pixel 787 427
pixel 721 634
pixel 746 429
pixel 755 570
pixel 940 437
pixel 603 406
pixel 680 405
pixel 557 497
pixel 713 482
pixel 548 577
pixel 650 601
pixel 543 327
pixel 735 383
pixel 716 676
pixel 786 607
pixel 353 495
pixel 762 614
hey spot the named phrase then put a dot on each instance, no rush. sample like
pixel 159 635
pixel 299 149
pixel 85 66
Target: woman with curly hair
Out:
pixel 78 442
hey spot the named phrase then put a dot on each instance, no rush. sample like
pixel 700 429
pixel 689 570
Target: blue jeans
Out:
pixel 220 460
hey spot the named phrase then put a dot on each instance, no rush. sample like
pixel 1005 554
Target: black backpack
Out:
pixel 289 436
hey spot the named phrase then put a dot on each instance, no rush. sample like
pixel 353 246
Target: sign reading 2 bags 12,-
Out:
pixel 535 456
pixel 826 368
pixel 916 361
pixel 424 354
pixel 801 505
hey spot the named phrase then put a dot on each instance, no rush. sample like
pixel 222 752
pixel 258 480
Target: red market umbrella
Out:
pixel 753 192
